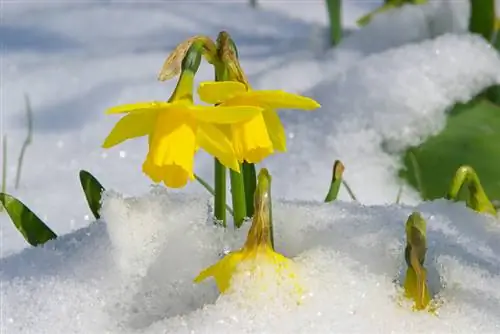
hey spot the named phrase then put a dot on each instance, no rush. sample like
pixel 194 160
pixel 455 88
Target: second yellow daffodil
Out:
pixel 257 253
pixel 258 137
pixel 176 129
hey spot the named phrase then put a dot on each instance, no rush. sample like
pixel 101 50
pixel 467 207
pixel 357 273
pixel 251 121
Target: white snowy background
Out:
pixel 387 85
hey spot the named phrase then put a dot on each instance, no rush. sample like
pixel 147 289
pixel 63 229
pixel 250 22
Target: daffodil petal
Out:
pixel 138 107
pixel 213 140
pixel 275 129
pixel 277 99
pixel 130 126
pixel 222 271
pixel 214 92
pixel 224 115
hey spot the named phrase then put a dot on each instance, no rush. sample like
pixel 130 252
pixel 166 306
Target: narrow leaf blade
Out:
pixel 93 191
pixel 33 229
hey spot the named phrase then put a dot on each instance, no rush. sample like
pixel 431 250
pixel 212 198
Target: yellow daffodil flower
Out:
pixel 257 251
pixel 176 129
pixel 259 136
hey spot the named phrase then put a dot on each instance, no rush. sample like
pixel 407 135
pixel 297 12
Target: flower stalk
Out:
pixel 228 69
pixel 250 180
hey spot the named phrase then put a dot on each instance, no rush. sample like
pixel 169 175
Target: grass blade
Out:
pixel 27 141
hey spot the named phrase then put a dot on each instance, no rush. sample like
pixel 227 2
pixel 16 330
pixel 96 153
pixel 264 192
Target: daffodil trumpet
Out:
pixel 415 284
pixel 257 249
pixel 477 199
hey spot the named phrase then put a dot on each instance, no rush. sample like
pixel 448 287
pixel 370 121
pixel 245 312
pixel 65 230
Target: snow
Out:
pixel 133 272
pixel 386 87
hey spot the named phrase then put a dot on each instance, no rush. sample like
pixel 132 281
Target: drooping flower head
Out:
pixel 177 128
pixel 257 250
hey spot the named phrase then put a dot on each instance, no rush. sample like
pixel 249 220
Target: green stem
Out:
pixel 250 179
pixel 349 190
pixel 335 15
pixel 271 214
pixel 210 190
pixel 482 18
pixel 417 173
pixel 238 196
pixel 220 192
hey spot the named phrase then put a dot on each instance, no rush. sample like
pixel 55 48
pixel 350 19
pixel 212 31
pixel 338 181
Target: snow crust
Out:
pixel 133 272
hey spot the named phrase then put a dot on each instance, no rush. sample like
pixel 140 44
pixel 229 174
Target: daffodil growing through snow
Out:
pixel 177 128
pixel 257 252
pixel 253 139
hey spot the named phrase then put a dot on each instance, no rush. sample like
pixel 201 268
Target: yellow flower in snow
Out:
pixel 259 136
pixel 176 129
pixel 257 251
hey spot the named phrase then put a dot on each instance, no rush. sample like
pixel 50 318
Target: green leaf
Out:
pixel 337 172
pixel 471 137
pixel 33 229
pixel 93 191
pixel 482 18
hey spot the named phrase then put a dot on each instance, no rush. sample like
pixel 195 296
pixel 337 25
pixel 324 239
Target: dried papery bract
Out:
pixel 172 66
pixel 415 283
pixel 477 199
pixel 228 54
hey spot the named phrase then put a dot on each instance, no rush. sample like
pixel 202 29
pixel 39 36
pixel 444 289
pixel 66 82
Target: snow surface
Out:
pixel 133 273
pixel 386 87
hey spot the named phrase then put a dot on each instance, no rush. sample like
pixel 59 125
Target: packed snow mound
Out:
pixel 133 272
pixel 375 109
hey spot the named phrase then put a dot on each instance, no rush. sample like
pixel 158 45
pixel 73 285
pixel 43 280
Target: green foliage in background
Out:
pixel 471 137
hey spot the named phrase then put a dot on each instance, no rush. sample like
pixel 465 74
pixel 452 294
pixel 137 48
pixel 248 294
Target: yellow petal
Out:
pixel 251 141
pixel 222 271
pixel 275 129
pixel 217 92
pixel 277 99
pixel 224 115
pixel 138 107
pixel 172 148
pixel 130 126
pixel 216 143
